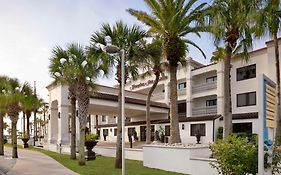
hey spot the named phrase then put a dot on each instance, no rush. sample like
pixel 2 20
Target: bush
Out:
pixel 220 133
pixel 235 155
pixel 92 137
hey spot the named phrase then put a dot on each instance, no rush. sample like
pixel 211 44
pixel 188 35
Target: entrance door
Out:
pixel 143 133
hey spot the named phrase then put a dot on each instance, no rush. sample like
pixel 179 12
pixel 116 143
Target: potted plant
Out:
pixel 90 143
pixel 161 133
pixel 25 139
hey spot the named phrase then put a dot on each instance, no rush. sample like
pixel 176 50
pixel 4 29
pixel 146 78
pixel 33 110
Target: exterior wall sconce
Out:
pixel 49 116
pixel 59 115
pixel 182 126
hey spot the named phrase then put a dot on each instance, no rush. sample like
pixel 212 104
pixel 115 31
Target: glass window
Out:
pixel 212 102
pixel 105 132
pixel 115 131
pixel 242 127
pixel 211 79
pixel 198 129
pixel 246 99
pixel 103 118
pixel 246 72
pixel 182 85
pixel 167 130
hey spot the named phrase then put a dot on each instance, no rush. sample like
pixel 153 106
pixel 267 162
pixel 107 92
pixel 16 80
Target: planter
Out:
pixel 25 144
pixel 90 144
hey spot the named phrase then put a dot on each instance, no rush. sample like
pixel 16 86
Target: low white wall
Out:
pixel 130 153
pixel 188 160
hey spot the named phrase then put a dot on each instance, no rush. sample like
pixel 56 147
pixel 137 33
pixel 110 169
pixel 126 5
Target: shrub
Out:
pixel 220 133
pixel 235 155
pixel 92 137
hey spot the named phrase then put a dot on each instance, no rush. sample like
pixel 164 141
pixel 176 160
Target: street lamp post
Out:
pixel 111 49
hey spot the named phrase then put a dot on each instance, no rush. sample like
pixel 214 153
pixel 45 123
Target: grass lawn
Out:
pixel 102 165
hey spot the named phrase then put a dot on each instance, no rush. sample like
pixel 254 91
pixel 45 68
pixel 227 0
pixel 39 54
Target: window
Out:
pixel 182 85
pixel 211 79
pixel 167 130
pixel 242 127
pixel 181 107
pixel 115 131
pixel 198 129
pixel 105 132
pixel 131 131
pixel 246 72
pixel 212 102
pixel 103 118
pixel 246 99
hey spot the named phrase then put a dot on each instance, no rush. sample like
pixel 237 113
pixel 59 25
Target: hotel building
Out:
pixel 200 101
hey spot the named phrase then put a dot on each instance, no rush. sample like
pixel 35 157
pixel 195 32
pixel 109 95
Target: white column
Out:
pixel 63 132
pixel 189 102
pixel 53 125
pixel 220 87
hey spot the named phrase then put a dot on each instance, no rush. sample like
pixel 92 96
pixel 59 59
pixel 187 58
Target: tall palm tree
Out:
pixel 268 21
pixel 76 67
pixel 27 106
pixel 172 21
pixel 230 23
pixel 3 109
pixel 14 107
pixel 127 38
pixel 57 66
pixel 153 65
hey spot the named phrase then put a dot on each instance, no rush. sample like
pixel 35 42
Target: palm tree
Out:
pixel 75 66
pixel 27 106
pixel 230 23
pixel 268 21
pixel 14 101
pixel 3 109
pixel 153 65
pixel 57 66
pixel 172 21
pixel 127 38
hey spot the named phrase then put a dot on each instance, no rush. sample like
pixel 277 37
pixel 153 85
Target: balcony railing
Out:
pixel 204 87
pixel 204 111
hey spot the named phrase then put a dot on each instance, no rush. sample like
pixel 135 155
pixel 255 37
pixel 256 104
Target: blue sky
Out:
pixel 29 29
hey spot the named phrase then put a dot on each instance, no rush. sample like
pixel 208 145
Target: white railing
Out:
pixel 204 111
pixel 204 87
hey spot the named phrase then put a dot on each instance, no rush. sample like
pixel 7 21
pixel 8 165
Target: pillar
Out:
pixel 63 132
pixel 220 87
pixel 189 101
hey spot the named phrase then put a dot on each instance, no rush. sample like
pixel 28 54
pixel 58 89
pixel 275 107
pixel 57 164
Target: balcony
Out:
pixel 204 87
pixel 204 111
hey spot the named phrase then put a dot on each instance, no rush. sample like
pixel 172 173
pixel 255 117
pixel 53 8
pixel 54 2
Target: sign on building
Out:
pixel 267 119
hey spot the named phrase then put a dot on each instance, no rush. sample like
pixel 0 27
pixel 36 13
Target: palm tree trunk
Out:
pixel 23 123
pixel 27 125
pixel 118 159
pixel 1 134
pixel 148 123
pixel 73 128
pixel 174 118
pixel 35 126
pixel 83 105
pixel 227 116
pixel 277 65
pixel 14 140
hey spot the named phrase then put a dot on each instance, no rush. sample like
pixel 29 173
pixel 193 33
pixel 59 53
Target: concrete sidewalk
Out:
pixel 31 163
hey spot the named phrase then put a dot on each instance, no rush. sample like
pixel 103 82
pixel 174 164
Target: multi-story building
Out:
pixel 200 101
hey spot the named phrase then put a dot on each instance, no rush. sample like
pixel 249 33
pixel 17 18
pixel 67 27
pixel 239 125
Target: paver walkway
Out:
pixel 31 163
